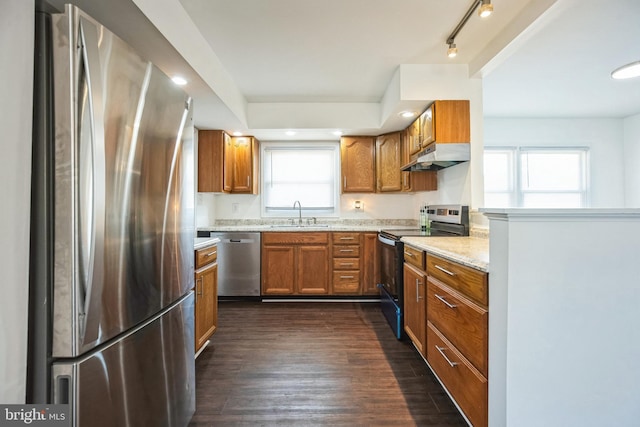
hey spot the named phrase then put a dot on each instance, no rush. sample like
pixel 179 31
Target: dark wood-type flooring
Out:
pixel 320 363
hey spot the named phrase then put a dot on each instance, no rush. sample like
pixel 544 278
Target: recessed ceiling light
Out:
pixel 236 133
pixel 407 114
pixel 179 80
pixel 627 71
pixel 290 133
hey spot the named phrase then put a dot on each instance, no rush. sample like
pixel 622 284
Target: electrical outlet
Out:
pixel 235 208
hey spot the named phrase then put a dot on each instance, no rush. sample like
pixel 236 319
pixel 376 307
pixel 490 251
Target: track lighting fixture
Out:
pixel 452 51
pixel 485 10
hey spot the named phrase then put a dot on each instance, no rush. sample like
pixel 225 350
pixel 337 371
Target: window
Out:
pixel 307 173
pixel 536 177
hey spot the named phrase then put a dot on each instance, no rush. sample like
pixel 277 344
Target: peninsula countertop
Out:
pixel 203 242
pixel 470 251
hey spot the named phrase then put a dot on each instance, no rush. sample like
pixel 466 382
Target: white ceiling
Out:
pixel 266 66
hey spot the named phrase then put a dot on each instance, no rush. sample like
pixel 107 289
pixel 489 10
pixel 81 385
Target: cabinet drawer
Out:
pixel 414 257
pixel 206 255
pixel 346 263
pixel 462 321
pixel 467 386
pixel 346 282
pixel 302 237
pixel 346 238
pixel 470 282
pixel 346 251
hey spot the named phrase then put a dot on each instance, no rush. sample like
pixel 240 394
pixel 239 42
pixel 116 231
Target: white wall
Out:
pixel 632 161
pixel 605 137
pixel 212 206
pixel 564 343
pixel 16 69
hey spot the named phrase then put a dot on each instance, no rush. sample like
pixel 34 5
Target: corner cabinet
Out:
pixel 227 164
pixel 206 292
pixel 357 158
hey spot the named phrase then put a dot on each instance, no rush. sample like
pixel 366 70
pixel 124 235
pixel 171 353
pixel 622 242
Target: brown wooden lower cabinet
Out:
pixel 466 384
pixel 206 295
pixel 295 263
pixel 414 305
pixel 319 263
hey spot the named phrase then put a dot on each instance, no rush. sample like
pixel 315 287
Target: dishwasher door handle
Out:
pixel 238 241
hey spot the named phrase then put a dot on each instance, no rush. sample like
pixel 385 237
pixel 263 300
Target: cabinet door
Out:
pixel 388 163
pixel 357 154
pixel 413 135
pixel 206 313
pixel 426 127
pixel 210 157
pixel 278 266
pixel 370 264
pixel 415 306
pixel 243 164
pixel 451 121
pixel 312 270
pixel 227 184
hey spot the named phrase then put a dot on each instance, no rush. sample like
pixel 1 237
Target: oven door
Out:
pixel 390 250
pixel 390 257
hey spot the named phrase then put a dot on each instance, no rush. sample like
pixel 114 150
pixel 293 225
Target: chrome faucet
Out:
pixel 299 211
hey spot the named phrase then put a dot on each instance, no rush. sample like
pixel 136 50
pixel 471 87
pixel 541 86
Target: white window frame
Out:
pixel 517 197
pixel 306 211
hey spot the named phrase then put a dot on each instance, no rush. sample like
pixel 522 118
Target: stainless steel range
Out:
pixel 446 220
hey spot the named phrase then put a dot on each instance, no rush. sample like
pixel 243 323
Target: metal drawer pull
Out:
pixel 344 264
pixel 211 253
pixel 346 277
pixel 441 350
pixel 346 238
pixel 418 283
pixel 445 302
pixel 444 270
pixel 346 250
pixel 409 254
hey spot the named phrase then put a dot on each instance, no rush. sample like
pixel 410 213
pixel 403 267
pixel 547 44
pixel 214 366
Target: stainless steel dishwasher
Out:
pixel 238 264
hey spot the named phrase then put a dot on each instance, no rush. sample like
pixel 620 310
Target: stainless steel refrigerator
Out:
pixel 111 306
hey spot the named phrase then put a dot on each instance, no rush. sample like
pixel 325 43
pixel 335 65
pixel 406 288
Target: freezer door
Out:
pixel 144 379
pixel 124 190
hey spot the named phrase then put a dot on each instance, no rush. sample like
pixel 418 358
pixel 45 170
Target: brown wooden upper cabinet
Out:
pixel 357 156
pixel 413 136
pixel 445 122
pixel 227 164
pixel 417 180
pixel 388 163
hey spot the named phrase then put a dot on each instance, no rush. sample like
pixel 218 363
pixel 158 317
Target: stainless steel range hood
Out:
pixel 439 156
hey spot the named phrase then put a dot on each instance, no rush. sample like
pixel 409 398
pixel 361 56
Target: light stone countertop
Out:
pixel 203 242
pixel 470 251
pixel 331 224
pixel 278 228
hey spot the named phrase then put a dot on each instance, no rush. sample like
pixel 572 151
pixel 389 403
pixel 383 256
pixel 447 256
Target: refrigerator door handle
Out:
pixel 91 201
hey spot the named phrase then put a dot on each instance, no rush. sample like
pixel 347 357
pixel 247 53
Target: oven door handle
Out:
pixel 386 240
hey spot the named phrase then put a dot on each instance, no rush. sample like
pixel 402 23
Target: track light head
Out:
pixel 452 51
pixel 486 8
